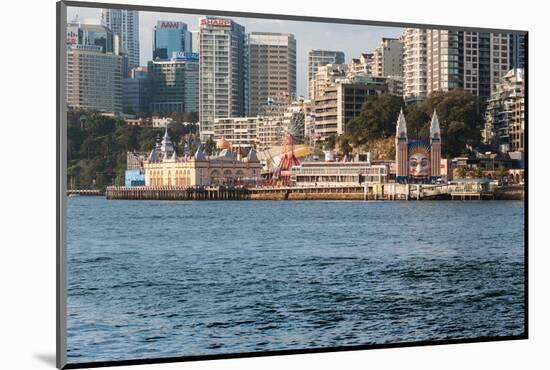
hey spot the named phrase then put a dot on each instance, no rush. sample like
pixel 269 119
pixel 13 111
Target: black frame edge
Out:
pixel 152 361
pixel 288 17
pixel 526 182
pixel 61 246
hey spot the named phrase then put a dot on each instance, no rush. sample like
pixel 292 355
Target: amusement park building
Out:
pixel 417 160
pixel 338 173
pixel 164 168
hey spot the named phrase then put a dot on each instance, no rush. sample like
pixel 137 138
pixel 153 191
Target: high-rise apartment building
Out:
pixel 318 58
pixel 415 65
pixel 170 37
pixel 94 79
pixel 499 62
pixel 222 72
pixel 340 103
pixel 395 85
pixel 363 64
pixel 517 45
pixel 195 41
pixel 442 60
pixel 271 68
pixel 505 115
pixel 94 70
pixel 174 84
pixel 92 35
pixel 326 76
pixel 240 132
pixel 125 24
pixel 483 59
pixel 473 61
pixel 387 58
pixel 271 126
pixel 297 113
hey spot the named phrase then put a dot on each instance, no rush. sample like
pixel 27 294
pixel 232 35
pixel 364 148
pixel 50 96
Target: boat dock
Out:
pixel 88 192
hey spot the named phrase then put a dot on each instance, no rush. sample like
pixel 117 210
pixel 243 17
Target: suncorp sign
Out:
pixel 183 55
pixel 97 48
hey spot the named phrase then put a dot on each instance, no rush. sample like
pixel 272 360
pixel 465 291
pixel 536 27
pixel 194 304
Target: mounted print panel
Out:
pixel 241 184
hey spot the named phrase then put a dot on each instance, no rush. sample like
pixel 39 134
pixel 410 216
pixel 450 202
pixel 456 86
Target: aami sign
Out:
pixel 169 24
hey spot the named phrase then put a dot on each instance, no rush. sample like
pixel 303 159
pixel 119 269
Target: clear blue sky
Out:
pixel 351 39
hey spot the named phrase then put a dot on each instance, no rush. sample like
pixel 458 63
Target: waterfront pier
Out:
pixel 176 193
pixel 366 191
pixel 88 192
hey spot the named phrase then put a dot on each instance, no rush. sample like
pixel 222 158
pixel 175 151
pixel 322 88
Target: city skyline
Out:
pixel 314 35
pixel 240 69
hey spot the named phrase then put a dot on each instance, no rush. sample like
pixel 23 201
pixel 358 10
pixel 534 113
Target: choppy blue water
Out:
pixel 161 279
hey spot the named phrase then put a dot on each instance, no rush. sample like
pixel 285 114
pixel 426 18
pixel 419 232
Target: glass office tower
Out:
pixel 170 37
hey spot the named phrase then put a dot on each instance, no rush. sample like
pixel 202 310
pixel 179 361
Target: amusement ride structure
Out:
pixel 279 175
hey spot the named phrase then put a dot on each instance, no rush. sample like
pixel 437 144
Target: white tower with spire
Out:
pixel 401 148
pixel 435 131
pixel 435 147
pixel 166 145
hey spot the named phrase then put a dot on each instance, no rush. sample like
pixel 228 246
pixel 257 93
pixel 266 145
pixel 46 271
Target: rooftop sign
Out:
pixel 97 48
pixel 215 22
pixel 72 36
pixel 170 25
pixel 183 55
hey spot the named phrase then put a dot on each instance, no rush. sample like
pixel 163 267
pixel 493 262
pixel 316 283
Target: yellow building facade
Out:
pixel 164 168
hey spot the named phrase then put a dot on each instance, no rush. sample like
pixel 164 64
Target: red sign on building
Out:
pixel 215 22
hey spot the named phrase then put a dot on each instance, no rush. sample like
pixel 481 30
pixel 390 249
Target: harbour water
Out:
pixel 162 279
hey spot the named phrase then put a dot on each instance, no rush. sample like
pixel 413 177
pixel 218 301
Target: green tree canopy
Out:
pixel 210 146
pixel 344 144
pixel 460 116
pixel 417 120
pixel 330 142
pixel 377 119
pixel 97 146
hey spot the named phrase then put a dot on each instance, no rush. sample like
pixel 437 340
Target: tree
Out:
pixel 192 117
pixel 377 119
pixel 75 137
pixel 502 173
pixel 210 146
pixel 344 144
pixel 128 110
pixel 390 154
pixel 417 122
pixel 478 172
pixel 356 133
pixel 459 112
pixel 127 137
pixel 120 170
pixel 460 118
pixel 330 142
pixel 462 172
